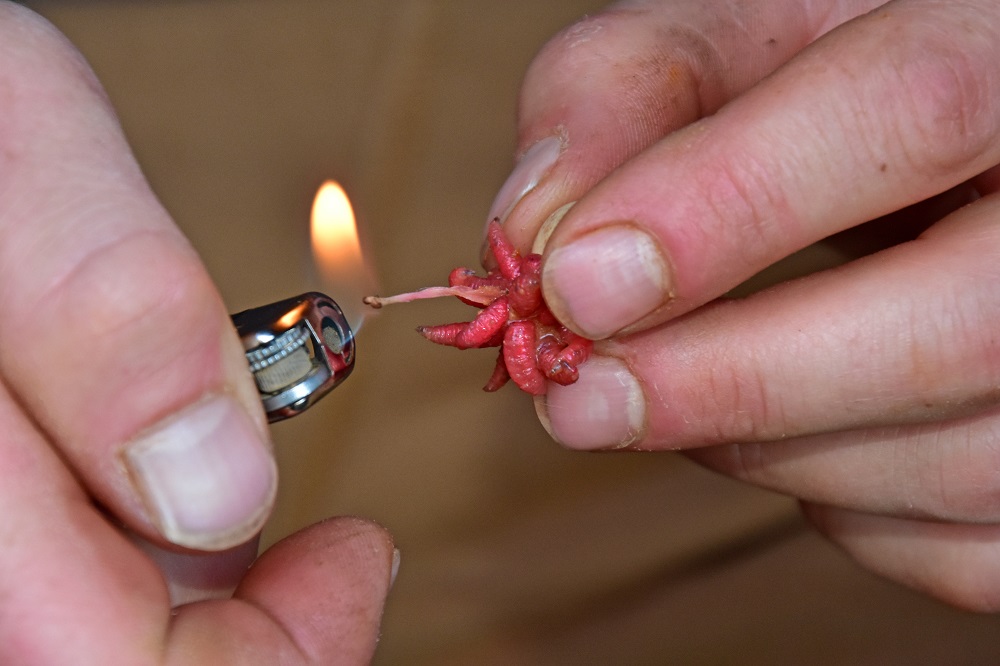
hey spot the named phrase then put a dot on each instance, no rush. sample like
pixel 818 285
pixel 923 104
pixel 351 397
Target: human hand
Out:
pixel 707 141
pixel 129 424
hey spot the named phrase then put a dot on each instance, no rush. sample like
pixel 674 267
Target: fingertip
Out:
pixel 349 548
pixel 206 476
pixel 315 597
pixel 327 586
pixel 605 409
pixel 607 279
pixel 368 542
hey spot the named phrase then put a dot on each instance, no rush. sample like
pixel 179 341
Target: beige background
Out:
pixel 513 550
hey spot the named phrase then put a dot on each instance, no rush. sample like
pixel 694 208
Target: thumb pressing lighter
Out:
pixel 298 349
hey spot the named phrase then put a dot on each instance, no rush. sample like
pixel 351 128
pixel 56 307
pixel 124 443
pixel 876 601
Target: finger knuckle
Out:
pixel 747 209
pixel 144 292
pixel 740 408
pixel 945 89
pixel 135 325
pixel 951 364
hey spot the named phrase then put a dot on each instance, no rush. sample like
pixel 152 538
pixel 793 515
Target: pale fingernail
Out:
pixel 606 280
pixel 206 475
pixel 530 170
pixel 604 409
pixel 395 567
pixel 548 227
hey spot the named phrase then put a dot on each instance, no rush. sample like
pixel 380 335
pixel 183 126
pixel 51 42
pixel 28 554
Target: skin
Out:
pixel 881 419
pixel 720 137
pixel 94 275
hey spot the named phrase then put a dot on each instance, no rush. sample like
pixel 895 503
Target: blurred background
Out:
pixel 513 551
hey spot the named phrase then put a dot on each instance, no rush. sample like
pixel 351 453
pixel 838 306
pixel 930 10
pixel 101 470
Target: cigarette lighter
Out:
pixel 298 349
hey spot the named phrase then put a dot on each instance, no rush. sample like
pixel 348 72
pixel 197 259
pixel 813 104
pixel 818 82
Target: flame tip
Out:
pixel 336 249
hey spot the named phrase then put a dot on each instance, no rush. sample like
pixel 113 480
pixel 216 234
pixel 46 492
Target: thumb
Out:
pixel 113 337
pixel 614 83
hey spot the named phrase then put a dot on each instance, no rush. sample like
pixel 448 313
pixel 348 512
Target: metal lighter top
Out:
pixel 298 349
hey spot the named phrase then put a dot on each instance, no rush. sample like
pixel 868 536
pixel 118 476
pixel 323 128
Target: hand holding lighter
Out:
pixel 298 349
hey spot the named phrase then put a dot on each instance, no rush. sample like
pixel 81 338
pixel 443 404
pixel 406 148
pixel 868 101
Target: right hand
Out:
pixel 706 141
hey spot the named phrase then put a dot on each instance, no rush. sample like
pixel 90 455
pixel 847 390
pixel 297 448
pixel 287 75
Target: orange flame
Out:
pixel 336 250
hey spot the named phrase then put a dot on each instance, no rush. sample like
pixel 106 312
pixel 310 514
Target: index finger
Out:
pixel 885 111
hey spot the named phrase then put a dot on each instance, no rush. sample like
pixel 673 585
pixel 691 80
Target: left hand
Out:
pixel 706 141
pixel 134 457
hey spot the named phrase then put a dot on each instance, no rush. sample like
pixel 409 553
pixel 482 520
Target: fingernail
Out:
pixel 395 567
pixel 606 280
pixel 531 168
pixel 206 475
pixel 549 226
pixel 604 409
